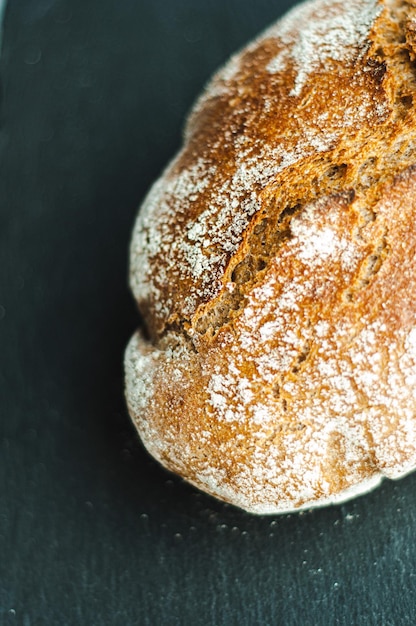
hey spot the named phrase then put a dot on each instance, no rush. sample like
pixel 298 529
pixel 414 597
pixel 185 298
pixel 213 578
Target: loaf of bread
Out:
pixel 274 266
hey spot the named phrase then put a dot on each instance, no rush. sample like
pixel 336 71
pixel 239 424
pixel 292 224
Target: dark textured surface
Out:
pixel 92 531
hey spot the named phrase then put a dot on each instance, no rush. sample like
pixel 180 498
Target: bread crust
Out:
pixel 274 261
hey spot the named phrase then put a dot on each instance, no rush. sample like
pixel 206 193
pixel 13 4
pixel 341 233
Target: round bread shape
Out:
pixel 274 266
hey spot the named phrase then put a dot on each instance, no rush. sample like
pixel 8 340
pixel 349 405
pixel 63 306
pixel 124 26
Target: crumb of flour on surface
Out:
pixel 326 33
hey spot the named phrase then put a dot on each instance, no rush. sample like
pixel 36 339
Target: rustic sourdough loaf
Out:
pixel 274 266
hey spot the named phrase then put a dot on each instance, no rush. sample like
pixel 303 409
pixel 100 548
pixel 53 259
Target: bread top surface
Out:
pixel 274 266
pixel 320 103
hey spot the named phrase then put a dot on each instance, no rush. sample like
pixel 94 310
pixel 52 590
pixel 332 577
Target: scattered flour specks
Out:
pixel 329 31
pixel 139 368
pixel 317 245
pixel 411 344
pixel 229 394
pixel 320 244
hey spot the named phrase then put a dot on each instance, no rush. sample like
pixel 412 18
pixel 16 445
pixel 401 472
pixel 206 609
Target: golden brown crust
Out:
pixel 274 261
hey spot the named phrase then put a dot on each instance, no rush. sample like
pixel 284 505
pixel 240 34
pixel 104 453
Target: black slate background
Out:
pixel 92 531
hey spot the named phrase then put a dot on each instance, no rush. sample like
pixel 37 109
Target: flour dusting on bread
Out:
pixel 325 31
pixel 274 262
